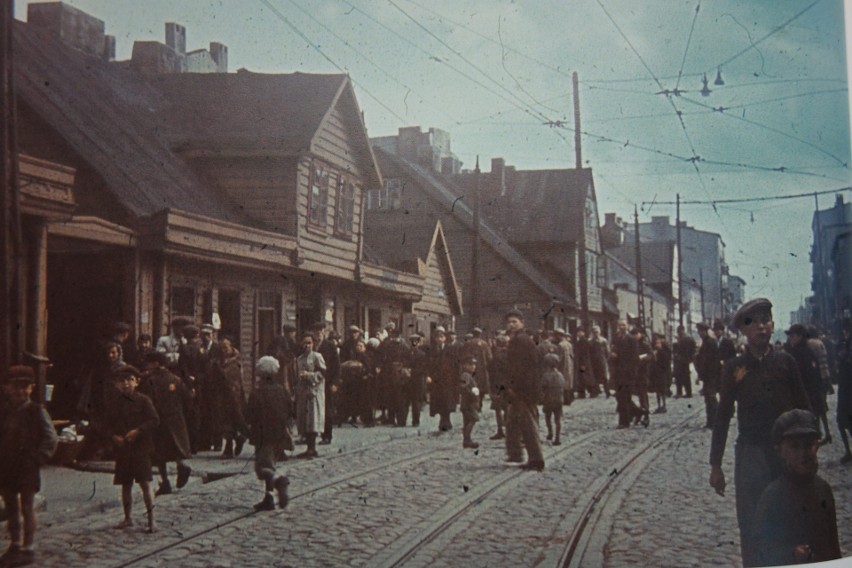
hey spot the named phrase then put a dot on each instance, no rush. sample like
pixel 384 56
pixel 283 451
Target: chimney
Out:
pixel 109 48
pixel 612 232
pixel 662 220
pixel 498 174
pixel 838 200
pixel 176 37
pixel 219 53
pixel 72 26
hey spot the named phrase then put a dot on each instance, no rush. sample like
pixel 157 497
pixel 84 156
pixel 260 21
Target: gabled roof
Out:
pixel 281 114
pixel 414 254
pixel 106 114
pixel 534 205
pixel 438 188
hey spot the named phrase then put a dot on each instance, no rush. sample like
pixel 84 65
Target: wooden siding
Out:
pixel 436 289
pixel 262 188
pixel 334 142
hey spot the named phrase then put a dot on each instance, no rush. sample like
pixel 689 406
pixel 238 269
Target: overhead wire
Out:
pixel 317 48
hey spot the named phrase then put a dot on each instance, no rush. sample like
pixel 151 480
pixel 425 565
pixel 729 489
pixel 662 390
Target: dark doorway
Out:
pixel 84 300
pixel 229 315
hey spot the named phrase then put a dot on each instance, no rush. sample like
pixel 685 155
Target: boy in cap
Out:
pixel 131 419
pixel 796 519
pixel 27 441
pixel 552 392
pixel 764 384
pixel 268 431
pixel 469 401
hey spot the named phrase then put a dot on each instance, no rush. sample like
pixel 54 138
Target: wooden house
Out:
pixel 228 198
pixel 415 197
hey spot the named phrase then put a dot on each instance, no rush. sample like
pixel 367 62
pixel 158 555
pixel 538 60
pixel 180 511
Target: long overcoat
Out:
pixel 171 399
pixel 310 393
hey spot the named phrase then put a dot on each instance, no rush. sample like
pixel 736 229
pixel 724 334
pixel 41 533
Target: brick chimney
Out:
pixel 219 53
pixel 498 175
pixel 612 232
pixel 176 37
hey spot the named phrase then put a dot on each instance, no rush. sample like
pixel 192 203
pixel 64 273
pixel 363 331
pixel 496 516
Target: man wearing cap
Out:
pixel 522 394
pixel 708 369
pixel 477 348
pixel 683 352
pixel 443 392
pixel 27 441
pixel 625 369
pixel 326 347
pixel 414 391
pixel 764 384
pixel 796 518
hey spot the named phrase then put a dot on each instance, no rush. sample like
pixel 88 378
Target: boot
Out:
pixel 228 452
pixel 281 484
pixel 268 504
pixel 470 444
pixel 183 472
pixel 165 488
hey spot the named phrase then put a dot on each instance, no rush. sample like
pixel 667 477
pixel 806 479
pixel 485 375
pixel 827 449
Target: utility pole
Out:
pixel 679 266
pixel 640 288
pixel 474 269
pixel 583 274
pixel 701 284
pixel 11 242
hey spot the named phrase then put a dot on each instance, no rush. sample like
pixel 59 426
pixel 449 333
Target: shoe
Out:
pixel 307 454
pixel 497 436
pixel 515 460
pixel 533 466
pixel 228 453
pixel 550 435
pixel 646 420
pixel 557 442
pixel 268 504
pixel 325 442
pixel 239 442
pixel 10 555
pixel 163 489
pixel 23 558
pixel 183 475
pixel 622 426
pixel 472 445
pixel 281 485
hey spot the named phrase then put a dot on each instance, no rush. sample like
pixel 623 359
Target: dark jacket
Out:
pixel 266 421
pixel 625 366
pixel 27 441
pixel 707 363
pixel 126 412
pixel 171 399
pixel 522 367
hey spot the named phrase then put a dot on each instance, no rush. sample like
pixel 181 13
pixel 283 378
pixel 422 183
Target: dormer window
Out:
pixel 345 205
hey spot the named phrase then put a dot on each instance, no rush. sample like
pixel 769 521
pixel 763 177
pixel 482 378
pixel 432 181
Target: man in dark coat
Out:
pixel 414 389
pixel 171 400
pixel 727 347
pixel 583 368
pixel 764 383
pixel 523 392
pixel 394 373
pixel 285 349
pixel 625 366
pixel 683 353
pixel 327 347
pixel 708 369
pixel 599 356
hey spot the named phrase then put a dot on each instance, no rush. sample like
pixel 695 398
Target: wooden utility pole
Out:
pixel 679 266
pixel 583 272
pixel 820 270
pixel 640 288
pixel 11 242
pixel 701 284
pixel 475 297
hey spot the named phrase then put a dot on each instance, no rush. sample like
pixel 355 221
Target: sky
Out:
pixel 496 75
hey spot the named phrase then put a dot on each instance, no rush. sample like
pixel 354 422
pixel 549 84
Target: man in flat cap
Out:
pixel 708 368
pixel 764 383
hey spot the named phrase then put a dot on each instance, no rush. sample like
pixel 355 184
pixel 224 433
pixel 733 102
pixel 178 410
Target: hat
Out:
pixel 354 328
pixel 702 325
pixel 127 371
pixel 190 330
pixel 796 422
pixel 502 339
pixel 476 330
pixel 390 325
pixel 440 329
pixel 373 342
pixel 267 366
pixel 20 374
pixel 414 336
pixel 797 329
pixel 207 328
pixel 288 327
pixel 469 361
pixel 121 327
pixel 596 328
pixel 551 359
pixel 318 325
pixel 468 336
pixel 514 314
pixel 750 309
pixel 559 331
pixel 718 325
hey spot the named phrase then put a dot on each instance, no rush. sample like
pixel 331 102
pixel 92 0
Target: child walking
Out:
pixel 27 441
pixel 552 392
pixel 131 419
pixel 268 431
pixel 469 401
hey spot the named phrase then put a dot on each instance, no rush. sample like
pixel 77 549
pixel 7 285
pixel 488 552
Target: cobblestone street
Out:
pixel 405 496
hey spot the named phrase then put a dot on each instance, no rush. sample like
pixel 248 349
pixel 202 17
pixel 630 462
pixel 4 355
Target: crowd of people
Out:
pixel 155 403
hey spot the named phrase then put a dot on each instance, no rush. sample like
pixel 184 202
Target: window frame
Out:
pixel 344 214
pixel 318 204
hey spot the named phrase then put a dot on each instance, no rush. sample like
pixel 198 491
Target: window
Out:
pixel 182 301
pixel 345 205
pixel 318 199
pixel 388 197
